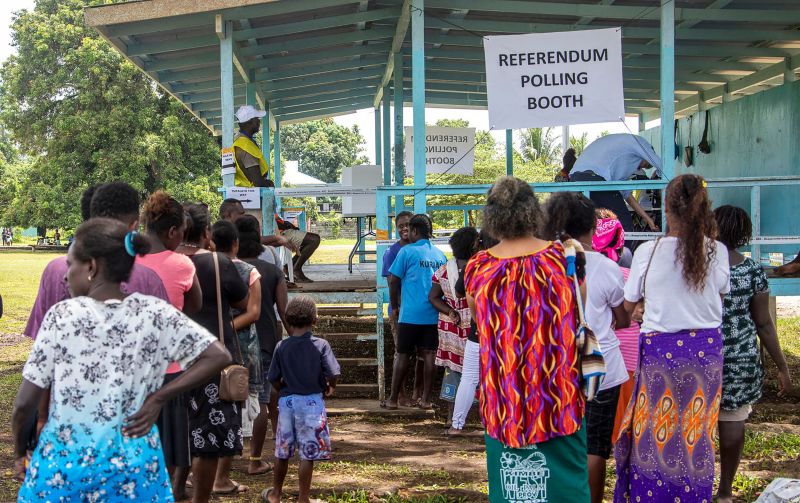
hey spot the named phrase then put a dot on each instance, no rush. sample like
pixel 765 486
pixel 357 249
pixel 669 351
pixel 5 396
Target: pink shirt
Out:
pixel 176 272
pixel 629 338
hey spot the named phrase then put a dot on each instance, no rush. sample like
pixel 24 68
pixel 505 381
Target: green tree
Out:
pixel 323 148
pixel 540 144
pixel 81 114
pixel 579 143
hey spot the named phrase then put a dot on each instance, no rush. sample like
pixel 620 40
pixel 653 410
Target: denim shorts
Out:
pixel 302 426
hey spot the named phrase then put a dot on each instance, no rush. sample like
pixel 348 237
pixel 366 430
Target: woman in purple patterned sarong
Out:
pixel 665 449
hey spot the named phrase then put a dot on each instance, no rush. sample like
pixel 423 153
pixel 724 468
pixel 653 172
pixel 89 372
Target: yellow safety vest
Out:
pixel 249 146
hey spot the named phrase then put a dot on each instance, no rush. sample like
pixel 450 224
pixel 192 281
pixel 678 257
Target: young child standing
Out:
pixel 303 370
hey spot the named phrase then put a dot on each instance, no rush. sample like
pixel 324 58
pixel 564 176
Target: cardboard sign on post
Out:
pixel 552 79
pixel 250 197
pixel 447 149
pixel 227 161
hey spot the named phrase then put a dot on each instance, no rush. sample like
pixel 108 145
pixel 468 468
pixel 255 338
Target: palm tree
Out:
pixel 540 144
pixel 579 143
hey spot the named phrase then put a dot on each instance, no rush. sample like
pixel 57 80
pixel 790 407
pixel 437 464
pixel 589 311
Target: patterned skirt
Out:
pixel 665 449
pixel 215 426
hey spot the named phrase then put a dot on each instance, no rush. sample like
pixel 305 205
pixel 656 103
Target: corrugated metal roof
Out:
pixel 312 58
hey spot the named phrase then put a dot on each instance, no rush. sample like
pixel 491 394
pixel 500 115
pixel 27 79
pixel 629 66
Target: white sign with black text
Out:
pixel 553 79
pixel 250 197
pixel 447 149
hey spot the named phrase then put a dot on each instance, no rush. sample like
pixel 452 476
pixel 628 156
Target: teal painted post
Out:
pixel 667 87
pixel 265 134
pixel 378 136
pixel 387 137
pixel 755 216
pixel 382 232
pixel 509 153
pixel 466 218
pixel 399 156
pixel 250 93
pixel 418 98
pixel 268 211
pixel 226 93
pixel 277 161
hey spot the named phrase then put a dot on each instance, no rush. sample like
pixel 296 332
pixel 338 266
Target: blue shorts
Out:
pixel 303 424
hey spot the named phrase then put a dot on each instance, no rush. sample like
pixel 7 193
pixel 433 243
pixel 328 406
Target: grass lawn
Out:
pixel 392 460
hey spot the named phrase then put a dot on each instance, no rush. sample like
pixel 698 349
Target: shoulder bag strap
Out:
pixel 644 280
pixel 219 308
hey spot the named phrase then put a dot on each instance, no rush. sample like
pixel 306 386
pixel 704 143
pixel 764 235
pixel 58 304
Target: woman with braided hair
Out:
pixel 665 450
pixel 745 321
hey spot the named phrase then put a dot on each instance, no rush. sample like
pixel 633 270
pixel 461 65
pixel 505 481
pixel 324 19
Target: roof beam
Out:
pixel 397 45
pixel 580 10
pixel 362 83
pixel 305 71
pixel 141 16
pixel 321 41
pixel 744 83
pixel 321 23
pixel 736 35
pixel 323 55
pixel 320 80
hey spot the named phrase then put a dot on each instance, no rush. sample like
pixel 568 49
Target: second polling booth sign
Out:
pixel 552 79
pixel 447 150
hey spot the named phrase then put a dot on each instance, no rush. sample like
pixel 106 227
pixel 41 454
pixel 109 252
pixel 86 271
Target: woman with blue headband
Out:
pixel 104 354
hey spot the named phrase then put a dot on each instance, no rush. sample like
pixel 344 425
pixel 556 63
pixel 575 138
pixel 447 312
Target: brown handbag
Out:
pixel 235 379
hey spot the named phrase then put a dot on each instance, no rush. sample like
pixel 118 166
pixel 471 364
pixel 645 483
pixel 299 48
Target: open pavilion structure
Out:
pixel 307 59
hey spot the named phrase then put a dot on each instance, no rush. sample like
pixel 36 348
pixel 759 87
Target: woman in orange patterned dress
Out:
pixel 532 405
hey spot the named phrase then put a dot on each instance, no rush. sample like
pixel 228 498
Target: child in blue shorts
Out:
pixel 303 369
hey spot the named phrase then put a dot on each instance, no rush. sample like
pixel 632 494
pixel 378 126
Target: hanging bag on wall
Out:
pixel 704 146
pixel 675 139
pixel 688 151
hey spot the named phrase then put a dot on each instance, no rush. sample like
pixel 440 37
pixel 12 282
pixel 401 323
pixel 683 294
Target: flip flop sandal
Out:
pixel 265 494
pixel 237 489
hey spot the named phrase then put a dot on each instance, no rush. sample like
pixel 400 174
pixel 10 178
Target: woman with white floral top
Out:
pixel 104 355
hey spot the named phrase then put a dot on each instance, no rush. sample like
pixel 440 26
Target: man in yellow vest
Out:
pixel 252 170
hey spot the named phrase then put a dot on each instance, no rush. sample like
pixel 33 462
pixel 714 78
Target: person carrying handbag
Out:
pixel 215 424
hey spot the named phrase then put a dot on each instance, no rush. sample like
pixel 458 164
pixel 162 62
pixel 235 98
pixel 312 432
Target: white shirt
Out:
pixel 605 291
pixel 671 304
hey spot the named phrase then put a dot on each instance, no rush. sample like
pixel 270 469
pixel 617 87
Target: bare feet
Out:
pixel 724 499
pixel 406 402
pixel 258 467
pixel 299 277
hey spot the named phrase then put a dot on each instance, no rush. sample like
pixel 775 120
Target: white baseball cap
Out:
pixel 247 112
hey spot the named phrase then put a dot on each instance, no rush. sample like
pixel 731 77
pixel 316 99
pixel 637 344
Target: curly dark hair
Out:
pixel 199 220
pixel 301 312
pixel 422 224
pixel 115 200
pixel 486 240
pixel 512 210
pixel 161 212
pixel 224 235
pixel 733 226
pixel 569 159
pixel 688 203
pixel 103 239
pixel 463 242
pixel 249 236
pixel 569 215
pixel 86 202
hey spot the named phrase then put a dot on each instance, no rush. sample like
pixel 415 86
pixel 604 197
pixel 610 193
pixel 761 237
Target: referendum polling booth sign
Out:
pixel 445 148
pixel 552 79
